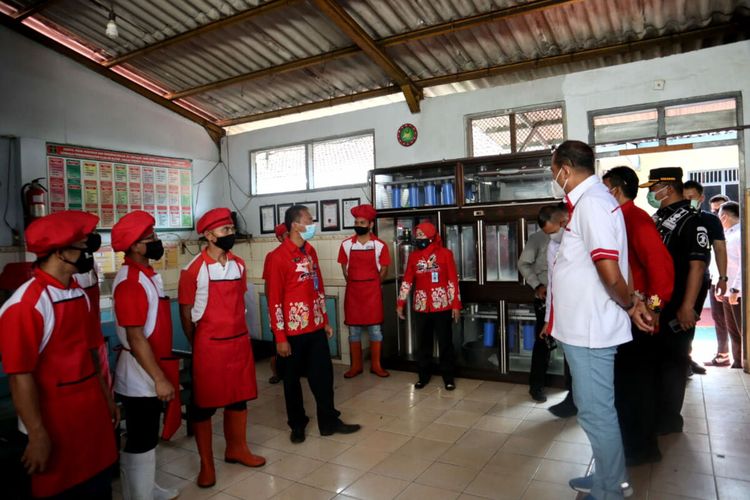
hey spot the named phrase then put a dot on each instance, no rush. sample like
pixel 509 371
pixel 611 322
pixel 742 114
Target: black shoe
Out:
pixel 340 428
pixel 538 395
pixel 420 384
pixel 737 364
pixel 696 368
pixel 297 436
pixel 565 409
pixel 274 380
pixel 450 386
pixel 642 459
pixel 663 431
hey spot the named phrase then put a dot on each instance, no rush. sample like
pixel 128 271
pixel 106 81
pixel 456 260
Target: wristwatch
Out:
pixel 654 303
pixel 723 278
pixel 734 290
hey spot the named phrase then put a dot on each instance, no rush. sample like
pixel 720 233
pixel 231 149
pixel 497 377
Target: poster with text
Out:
pixel 110 184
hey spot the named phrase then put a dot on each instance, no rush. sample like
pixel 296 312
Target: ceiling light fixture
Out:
pixel 112 31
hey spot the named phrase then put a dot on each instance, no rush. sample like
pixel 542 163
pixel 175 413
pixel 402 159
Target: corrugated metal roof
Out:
pixel 290 31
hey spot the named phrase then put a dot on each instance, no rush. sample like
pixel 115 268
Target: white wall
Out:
pixel 49 97
pixel 441 123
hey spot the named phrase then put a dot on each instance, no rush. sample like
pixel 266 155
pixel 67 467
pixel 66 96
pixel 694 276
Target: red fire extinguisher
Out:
pixel 34 196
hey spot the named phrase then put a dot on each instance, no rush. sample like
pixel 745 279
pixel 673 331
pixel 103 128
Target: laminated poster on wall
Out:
pixel 110 184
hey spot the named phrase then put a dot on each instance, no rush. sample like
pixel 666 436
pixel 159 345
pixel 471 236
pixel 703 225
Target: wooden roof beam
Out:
pixel 438 29
pixel 357 34
pixel 202 30
pixel 721 31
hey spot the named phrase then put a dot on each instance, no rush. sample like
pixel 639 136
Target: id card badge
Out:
pixel 316 282
pixel 434 276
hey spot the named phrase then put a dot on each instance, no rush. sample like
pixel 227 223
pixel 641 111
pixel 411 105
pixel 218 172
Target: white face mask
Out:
pixel 695 204
pixel 557 191
pixel 558 236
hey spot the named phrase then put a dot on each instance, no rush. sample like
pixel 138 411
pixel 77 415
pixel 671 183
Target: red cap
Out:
pixel 214 218
pixel 429 230
pixel 59 230
pixel 365 211
pixel 280 229
pixel 130 229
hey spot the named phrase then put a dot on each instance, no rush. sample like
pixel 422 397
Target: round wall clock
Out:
pixel 407 134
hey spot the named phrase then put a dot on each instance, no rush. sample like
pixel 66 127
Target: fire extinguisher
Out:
pixel 34 196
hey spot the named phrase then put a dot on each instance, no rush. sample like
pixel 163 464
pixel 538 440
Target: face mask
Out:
pixel 309 232
pixel 84 263
pixel 421 243
pixel 557 191
pixel 695 204
pixel 557 237
pixel 225 242
pixel 154 250
pixel 361 231
pixel 93 242
pixel 652 200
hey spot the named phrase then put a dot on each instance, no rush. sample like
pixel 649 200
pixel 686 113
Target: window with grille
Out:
pixel 312 165
pixel 719 181
pixel 516 131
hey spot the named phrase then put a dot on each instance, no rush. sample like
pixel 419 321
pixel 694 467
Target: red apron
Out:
pixel 160 341
pixel 74 410
pixel 223 365
pixel 363 300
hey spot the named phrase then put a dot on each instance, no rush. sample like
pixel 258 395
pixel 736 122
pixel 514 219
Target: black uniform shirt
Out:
pixel 687 239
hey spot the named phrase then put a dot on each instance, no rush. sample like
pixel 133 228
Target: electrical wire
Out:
pixel 13 230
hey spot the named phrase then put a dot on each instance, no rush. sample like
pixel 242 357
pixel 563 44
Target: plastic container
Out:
pixel 430 194
pixel 512 336
pixel 528 337
pixel 396 197
pixel 489 333
pixel 414 198
pixel 446 194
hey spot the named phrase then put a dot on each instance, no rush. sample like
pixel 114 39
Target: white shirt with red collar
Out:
pixel 583 313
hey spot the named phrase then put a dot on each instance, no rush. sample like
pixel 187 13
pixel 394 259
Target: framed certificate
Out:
pixel 267 219
pixel 346 211
pixel 312 206
pixel 330 215
pixel 281 209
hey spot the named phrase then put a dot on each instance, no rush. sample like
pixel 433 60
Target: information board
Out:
pixel 110 184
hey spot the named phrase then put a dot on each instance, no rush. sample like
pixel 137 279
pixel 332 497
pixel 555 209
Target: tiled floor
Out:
pixel 484 440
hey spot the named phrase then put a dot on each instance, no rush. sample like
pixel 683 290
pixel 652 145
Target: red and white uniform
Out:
pixel 42 333
pixel 223 365
pixel 90 284
pixel 296 295
pixel 363 302
pixel 432 274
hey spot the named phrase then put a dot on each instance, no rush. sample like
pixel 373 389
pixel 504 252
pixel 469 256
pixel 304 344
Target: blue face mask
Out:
pixel 309 232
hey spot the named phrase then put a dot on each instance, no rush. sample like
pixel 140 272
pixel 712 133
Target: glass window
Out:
pixel 517 131
pixel 342 161
pixel 626 126
pixel 280 170
pixel 315 164
pixel 706 115
pixel 502 252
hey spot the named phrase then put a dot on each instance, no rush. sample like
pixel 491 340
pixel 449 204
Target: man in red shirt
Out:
pixel 431 271
pixel 49 349
pixel 212 309
pixel 296 302
pixel 364 261
pixel 652 273
pixel 147 374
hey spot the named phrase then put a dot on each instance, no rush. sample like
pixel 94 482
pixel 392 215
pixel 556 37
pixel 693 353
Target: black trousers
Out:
pixel 635 395
pixel 673 355
pixel 142 421
pixel 199 414
pixel 540 354
pixel 311 357
pixel 429 324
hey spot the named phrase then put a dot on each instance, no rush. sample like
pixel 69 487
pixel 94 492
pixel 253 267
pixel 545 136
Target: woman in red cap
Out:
pixel 212 309
pixel 147 376
pixel 431 271
pixel 364 261
pixel 51 358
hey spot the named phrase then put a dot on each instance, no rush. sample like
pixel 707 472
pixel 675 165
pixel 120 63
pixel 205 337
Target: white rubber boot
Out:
pixel 137 472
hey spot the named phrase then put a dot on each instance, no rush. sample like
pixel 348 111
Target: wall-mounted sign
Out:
pixel 407 134
pixel 110 184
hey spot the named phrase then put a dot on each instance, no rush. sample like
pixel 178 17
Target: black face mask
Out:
pixel 361 231
pixel 225 242
pixel 93 242
pixel 154 250
pixel 421 243
pixel 84 263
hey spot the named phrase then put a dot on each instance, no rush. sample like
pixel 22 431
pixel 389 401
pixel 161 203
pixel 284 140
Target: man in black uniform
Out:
pixel 687 240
